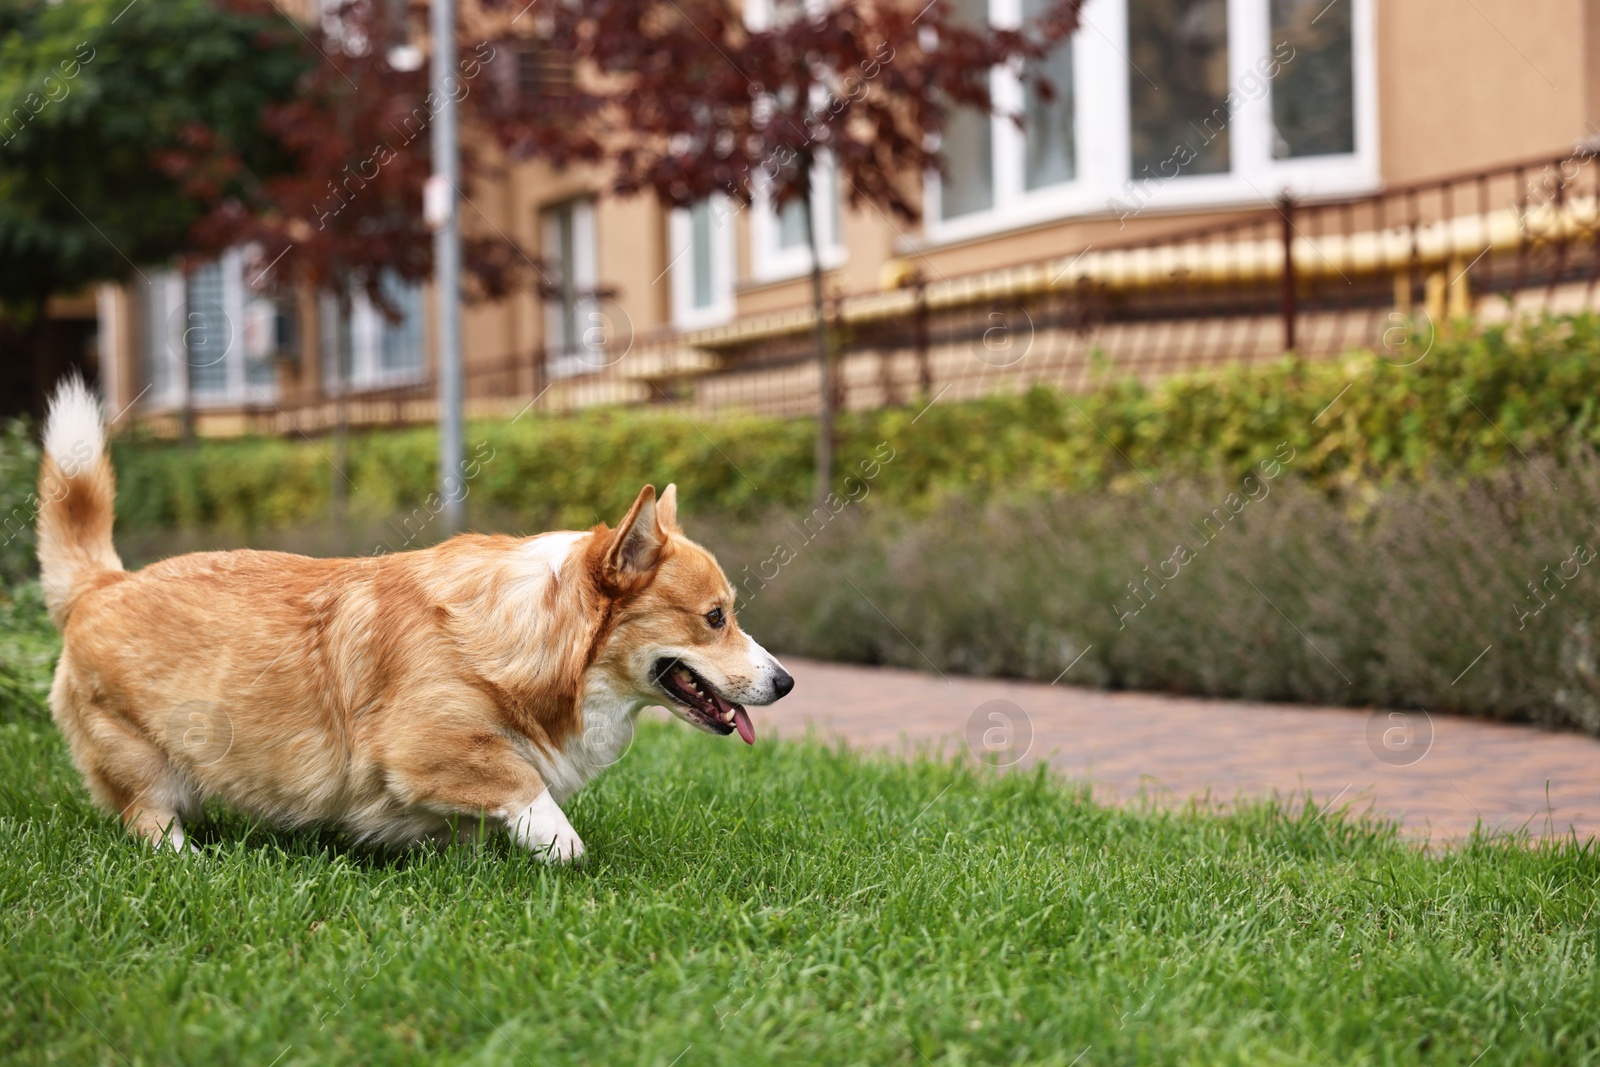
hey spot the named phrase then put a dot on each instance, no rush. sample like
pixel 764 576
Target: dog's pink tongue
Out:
pixel 741 722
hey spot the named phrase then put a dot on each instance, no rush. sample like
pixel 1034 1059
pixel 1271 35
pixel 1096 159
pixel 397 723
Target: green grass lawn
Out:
pixel 791 903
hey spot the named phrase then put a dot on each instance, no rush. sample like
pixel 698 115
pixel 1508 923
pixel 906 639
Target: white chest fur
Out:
pixel 605 736
pixel 607 717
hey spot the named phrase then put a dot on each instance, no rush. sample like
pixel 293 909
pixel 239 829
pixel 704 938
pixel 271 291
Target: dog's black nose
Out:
pixel 782 683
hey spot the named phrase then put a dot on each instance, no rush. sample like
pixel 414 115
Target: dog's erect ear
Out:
pixel 637 541
pixel 667 510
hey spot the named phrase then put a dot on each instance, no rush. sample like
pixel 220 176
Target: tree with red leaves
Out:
pixel 703 103
pixel 348 209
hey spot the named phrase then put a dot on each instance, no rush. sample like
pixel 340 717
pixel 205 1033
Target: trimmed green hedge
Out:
pixel 1464 407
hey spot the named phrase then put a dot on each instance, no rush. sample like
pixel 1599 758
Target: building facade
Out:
pixel 1169 115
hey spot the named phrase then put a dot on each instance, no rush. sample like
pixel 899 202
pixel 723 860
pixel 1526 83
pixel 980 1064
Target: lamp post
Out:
pixel 441 205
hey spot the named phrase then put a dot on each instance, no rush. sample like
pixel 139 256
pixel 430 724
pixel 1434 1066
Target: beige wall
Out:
pixel 1465 84
pixel 632 239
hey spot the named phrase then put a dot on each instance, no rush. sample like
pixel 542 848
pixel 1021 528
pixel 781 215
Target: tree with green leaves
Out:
pixel 94 96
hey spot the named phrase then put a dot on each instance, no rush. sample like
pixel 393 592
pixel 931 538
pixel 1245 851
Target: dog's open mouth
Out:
pixel 704 704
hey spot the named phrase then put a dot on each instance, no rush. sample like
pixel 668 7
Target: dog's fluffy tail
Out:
pixel 76 492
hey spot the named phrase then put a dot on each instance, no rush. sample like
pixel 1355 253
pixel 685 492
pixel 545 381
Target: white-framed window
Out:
pixel 779 249
pixel 208 332
pixel 573 325
pixel 193 341
pixel 375 351
pixel 778 245
pixel 700 249
pixel 1166 105
pixel 159 302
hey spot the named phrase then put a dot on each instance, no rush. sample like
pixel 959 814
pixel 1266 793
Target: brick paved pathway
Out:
pixel 1174 748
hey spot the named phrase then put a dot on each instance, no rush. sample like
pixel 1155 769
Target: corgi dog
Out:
pixel 392 697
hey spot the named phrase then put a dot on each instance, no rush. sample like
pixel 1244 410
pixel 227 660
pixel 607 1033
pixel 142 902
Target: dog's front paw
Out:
pixel 566 848
pixel 543 829
pixel 169 837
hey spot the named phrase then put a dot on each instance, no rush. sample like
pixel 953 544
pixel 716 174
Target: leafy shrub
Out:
pixel 19 503
pixel 1468 405
pixel 29 648
pixel 1295 597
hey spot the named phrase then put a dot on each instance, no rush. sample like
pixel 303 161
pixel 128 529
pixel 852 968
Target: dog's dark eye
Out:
pixel 715 619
